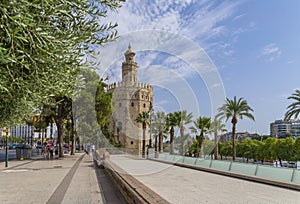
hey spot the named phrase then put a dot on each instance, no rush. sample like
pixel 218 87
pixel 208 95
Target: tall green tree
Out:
pixel 182 119
pixel 268 150
pixel 235 109
pixel 225 149
pixel 103 105
pixel 216 127
pixel 42 46
pixel 201 127
pixel 294 108
pixel 297 148
pixel 284 149
pixel 91 104
pixel 143 118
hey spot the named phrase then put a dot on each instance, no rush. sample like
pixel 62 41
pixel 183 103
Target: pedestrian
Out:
pixel 50 150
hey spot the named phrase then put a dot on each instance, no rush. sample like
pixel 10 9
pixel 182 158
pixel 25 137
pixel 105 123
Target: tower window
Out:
pixel 144 105
pixel 131 142
pixel 132 104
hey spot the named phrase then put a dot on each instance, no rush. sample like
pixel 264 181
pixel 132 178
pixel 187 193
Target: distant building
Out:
pixel 283 128
pixel 25 132
pixel 130 98
pixel 28 133
pixel 239 136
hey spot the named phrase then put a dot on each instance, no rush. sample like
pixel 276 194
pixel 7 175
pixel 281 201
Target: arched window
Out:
pixel 132 104
pixel 144 105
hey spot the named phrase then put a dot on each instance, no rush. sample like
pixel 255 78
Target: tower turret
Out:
pixel 129 68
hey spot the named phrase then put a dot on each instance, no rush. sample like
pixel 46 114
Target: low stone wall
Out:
pixel 132 189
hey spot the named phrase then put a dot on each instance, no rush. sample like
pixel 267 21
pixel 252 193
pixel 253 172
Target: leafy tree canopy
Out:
pixel 42 46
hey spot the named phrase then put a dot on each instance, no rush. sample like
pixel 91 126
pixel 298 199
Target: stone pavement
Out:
pixel 183 185
pixel 68 180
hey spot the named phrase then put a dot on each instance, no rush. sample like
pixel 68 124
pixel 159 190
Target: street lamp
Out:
pixel 6 145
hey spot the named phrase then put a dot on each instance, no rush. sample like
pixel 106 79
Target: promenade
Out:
pixel 69 180
pixel 74 179
pixel 182 185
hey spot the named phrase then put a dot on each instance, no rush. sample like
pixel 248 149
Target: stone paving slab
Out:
pixel 84 188
pixel 34 181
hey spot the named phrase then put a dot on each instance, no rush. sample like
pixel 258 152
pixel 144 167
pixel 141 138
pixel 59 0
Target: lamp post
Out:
pixel 6 149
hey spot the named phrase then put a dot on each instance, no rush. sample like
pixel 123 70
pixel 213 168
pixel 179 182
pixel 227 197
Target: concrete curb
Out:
pixel 282 184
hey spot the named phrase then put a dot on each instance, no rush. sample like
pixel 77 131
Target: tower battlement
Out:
pixel 139 85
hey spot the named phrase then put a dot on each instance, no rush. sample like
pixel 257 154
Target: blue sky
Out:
pixel 197 52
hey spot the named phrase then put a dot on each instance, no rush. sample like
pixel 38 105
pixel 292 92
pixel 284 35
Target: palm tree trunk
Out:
pixel 160 141
pixel 144 140
pixel 216 146
pixel 233 141
pixel 182 140
pixel 172 140
pixel 200 144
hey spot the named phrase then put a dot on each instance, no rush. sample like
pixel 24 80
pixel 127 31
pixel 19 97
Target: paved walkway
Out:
pixel 68 180
pixel 183 185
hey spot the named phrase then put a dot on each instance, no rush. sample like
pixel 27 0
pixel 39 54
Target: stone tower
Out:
pixel 130 98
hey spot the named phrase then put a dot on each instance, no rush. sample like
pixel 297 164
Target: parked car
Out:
pixel 12 146
pixel 292 164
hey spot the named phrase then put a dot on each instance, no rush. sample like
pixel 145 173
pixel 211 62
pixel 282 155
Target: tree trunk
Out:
pixel 73 149
pixel 172 140
pixel 160 141
pixel 59 139
pixel 233 142
pixel 216 149
pixel 155 143
pixel 200 144
pixel 144 140
pixel 60 131
pixel 182 140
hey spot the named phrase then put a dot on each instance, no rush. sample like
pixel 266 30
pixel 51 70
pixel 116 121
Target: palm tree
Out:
pixel 235 109
pixel 202 125
pixel 217 126
pixel 160 119
pixel 182 119
pixel 143 118
pixel 294 108
pixel 171 122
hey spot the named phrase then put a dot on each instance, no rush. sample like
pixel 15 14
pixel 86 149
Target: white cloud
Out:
pixel 192 18
pixel 270 52
pixel 172 56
